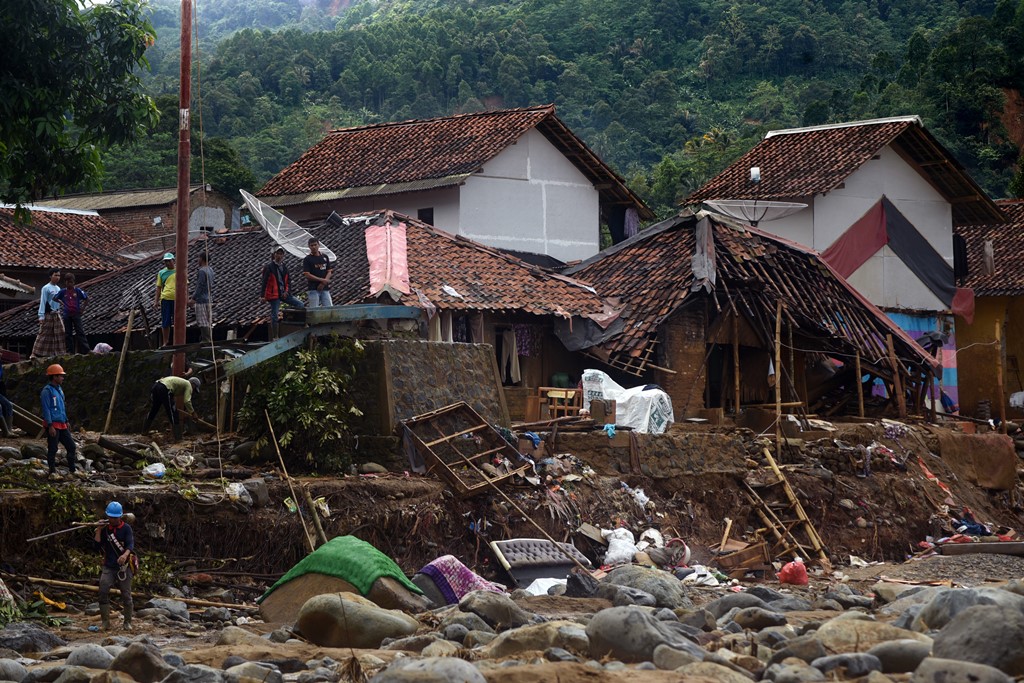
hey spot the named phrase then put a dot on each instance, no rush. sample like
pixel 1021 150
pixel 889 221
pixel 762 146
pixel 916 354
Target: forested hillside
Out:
pixel 667 91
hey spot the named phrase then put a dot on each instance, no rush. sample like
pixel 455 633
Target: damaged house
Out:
pixel 990 348
pixel 699 297
pixel 881 199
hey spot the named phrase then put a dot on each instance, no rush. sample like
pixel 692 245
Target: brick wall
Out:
pixel 682 342
pixel 138 221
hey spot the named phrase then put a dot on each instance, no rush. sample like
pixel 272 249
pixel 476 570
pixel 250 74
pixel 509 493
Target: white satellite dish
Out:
pixel 753 211
pixel 283 230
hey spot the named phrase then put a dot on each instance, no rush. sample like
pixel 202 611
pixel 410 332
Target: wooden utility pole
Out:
pixel 1000 382
pixel 736 360
pixel 778 376
pixel 860 385
pixel 184 159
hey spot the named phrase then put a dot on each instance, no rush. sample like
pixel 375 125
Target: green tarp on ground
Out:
pixel 350 559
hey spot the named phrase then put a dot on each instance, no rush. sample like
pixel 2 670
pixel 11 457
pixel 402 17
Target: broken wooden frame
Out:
pixel 455 441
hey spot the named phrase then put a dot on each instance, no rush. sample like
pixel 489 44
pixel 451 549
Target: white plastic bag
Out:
pixel 238 492
pixel 621 546
pixel 154 471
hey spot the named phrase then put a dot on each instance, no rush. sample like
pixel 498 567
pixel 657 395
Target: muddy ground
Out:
pixel 193 537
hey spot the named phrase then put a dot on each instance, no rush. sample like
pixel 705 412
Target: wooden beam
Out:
pixel 860 385
pixel 736 360
pixel 901 400
pixel 1000 384
pixel 778 377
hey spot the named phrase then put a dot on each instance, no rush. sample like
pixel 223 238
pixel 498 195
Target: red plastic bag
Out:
pixel 794 573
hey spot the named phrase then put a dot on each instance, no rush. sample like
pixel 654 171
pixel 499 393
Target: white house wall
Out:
pixel 883 279
pixel 531 198
pixel 444 202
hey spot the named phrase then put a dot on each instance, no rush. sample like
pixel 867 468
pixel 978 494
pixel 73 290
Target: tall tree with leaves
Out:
pixel 68 88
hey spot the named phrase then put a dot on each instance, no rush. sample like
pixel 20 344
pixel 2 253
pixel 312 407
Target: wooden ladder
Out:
pixel 784 529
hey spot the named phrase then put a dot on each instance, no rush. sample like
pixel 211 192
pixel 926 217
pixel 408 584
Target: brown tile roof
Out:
pixel 419 154
pixel 1008 277
pixel 60 239
pixel 652 274
pixel 486 279
pixel 802 162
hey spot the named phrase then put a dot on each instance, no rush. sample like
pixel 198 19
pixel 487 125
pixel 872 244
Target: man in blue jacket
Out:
pixel 55 419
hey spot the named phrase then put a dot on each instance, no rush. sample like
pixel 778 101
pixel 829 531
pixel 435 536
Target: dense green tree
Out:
pixel 69 88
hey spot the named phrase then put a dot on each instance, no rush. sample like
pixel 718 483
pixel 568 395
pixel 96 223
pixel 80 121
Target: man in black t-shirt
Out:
pixel 317 269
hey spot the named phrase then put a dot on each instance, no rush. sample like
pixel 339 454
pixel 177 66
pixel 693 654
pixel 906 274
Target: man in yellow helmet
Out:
pixel 55 419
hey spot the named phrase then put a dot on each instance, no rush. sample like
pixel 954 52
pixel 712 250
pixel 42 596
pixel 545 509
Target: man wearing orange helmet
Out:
pixel 55 419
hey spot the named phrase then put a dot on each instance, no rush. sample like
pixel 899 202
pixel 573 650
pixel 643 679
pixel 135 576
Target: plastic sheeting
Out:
pixel 648 411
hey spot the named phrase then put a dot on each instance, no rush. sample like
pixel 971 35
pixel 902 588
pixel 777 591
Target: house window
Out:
pixel 426 215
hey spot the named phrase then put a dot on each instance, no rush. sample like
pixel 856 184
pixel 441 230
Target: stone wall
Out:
pixel 399 379
pixel 661 456
pixel 88 386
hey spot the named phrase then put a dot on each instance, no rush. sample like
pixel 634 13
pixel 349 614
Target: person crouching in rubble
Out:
pixel 116 541
pixel 164 393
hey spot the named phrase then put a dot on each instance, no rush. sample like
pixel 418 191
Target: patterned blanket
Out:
pixel 455 579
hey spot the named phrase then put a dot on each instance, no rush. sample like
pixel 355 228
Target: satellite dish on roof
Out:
pixel 753 211
pixel 283 230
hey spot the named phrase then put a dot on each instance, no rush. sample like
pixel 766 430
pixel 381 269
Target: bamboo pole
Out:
pixel 736 360
pixel 120 368
pixel 778 377
pixel 897 383
pixel 316 518
pixel 287 478
pixel 1000 382
pixel 860 385
pixel 95 589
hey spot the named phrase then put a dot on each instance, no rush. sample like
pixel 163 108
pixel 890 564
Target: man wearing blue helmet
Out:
pixel 117 543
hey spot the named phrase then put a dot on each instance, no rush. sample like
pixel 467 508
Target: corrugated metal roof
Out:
pixel 118 200
pixel 371 191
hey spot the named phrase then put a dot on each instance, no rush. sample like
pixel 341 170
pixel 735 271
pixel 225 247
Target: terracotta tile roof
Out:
pixel 1008 257
pixel 652 274
pixel 486 279
pixel 420 154
pixel 60 239
pixel 801 162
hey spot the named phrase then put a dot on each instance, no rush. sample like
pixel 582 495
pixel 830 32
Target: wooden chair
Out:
pixel 561 402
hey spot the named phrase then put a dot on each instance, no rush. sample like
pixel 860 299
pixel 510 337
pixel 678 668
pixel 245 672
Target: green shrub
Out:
pixel 306 396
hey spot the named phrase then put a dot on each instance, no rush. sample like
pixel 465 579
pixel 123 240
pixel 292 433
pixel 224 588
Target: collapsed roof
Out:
pixel 668 267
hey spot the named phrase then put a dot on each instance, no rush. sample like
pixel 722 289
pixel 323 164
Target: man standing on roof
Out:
pixel 164 393
pixel 317 269
pixel 164 301
pixel 73 299
pixel 50 340
pixel 55 419
pixel 202 299
pixel 275 288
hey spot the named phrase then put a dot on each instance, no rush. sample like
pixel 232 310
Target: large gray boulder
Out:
pixel 142 662
pixel 24 637
pixel 842 635
pixel 900 656
pixel 74 674
pixel 497 610
pixel 11 670
pixel 667 590
pixel 985 634
pixel 936 670
pixel 345 620
pixel 175 608
pixel 566 635
pixel 430 670
pixel 631 634
pixel 194 673
pixel 91 655
pixel 731 601
pixel 252 672
pixel 757 618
